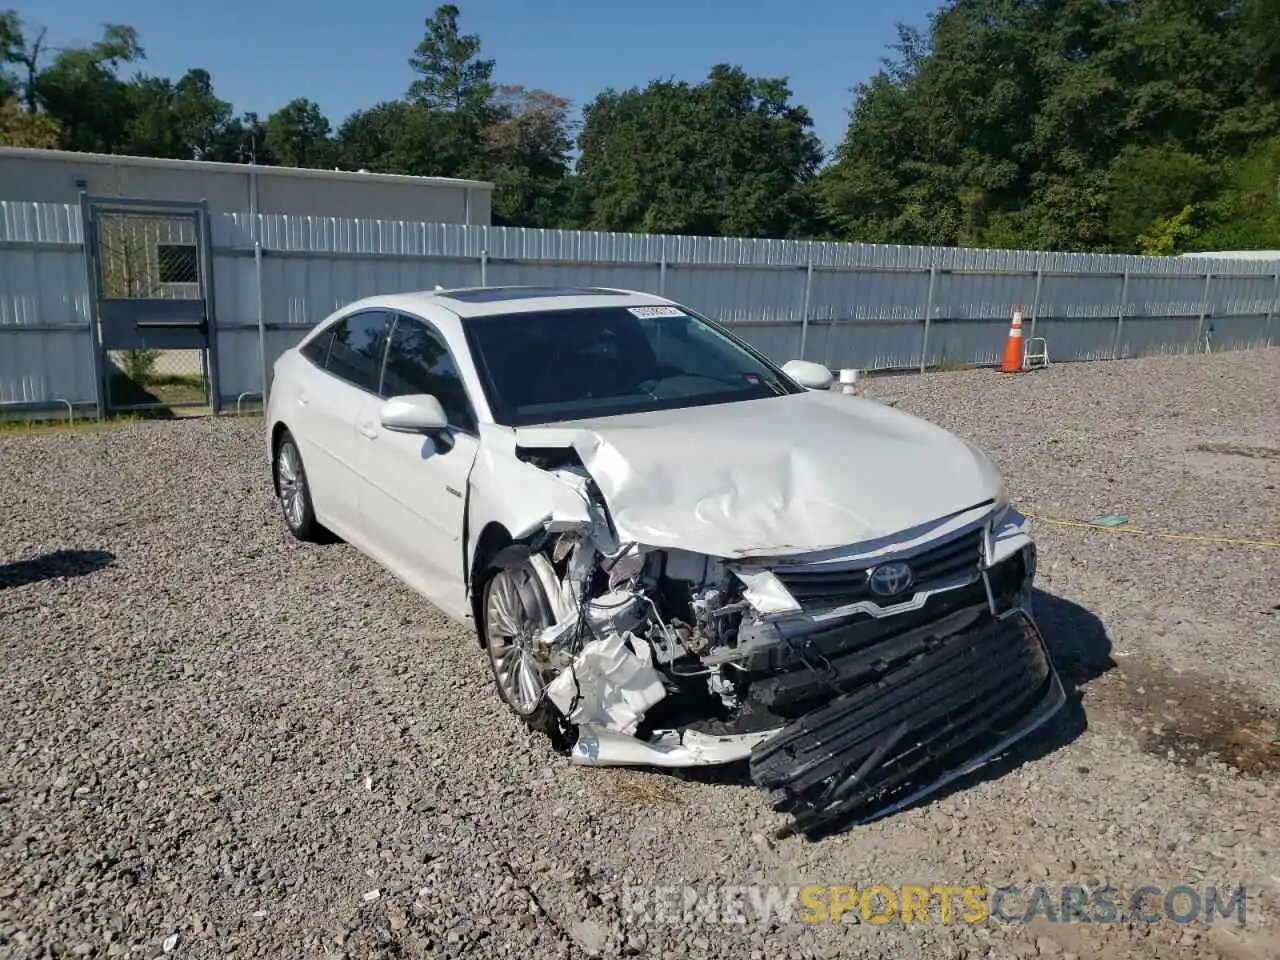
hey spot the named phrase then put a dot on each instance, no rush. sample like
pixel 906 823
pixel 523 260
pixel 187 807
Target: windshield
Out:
pixel 602 361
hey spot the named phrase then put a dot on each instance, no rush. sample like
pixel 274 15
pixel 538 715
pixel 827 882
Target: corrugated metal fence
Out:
pixel 859 305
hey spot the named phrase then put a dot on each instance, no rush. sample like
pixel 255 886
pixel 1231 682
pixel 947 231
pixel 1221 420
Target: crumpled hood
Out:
pixel 774 477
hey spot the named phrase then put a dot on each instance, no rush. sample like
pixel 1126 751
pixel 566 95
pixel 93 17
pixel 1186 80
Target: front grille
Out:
pixel 862 631
pixel 876 744
pixel 863 656
pixel 960 557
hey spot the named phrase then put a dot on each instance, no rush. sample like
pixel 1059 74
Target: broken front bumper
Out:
pixel 851 710
pixel 900 732
pixel 900 718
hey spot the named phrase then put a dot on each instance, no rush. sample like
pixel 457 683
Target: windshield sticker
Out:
pixel 655 312
pixel 752 378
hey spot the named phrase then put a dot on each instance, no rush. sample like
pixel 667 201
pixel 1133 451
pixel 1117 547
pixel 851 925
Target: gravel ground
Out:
pixel 218 739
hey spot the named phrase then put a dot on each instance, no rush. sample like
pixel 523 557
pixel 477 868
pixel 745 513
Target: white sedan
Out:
pixel 674 551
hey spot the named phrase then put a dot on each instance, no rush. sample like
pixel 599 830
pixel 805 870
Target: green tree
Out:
pixel 1166 236
pixel 81 91
pixel 200 116
pixel 242 140
pixel 401 137
pixel 12 53
pixel 183 120
pixel 1059 124
pixel 523 149
pixel 385 138
pixel 927 156
pixel 525 152
pixel 20 59
pixel 19 128
pixel 450 99
pixel 451 75
pixel 151 131
pixel 1245 213
pixel 1066 124
pixel 731 155
pixel 1147 184
pixel 298 136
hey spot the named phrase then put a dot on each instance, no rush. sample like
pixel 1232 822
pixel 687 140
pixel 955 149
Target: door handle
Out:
pixel 367 428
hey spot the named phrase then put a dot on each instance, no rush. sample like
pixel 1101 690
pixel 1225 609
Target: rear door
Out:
pixel 329 397
pixel 413 487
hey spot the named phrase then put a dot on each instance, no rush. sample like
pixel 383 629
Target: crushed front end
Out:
pixel 855 681
pixel 887 699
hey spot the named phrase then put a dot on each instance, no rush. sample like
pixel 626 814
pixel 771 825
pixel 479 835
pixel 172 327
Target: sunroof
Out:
pixel 497 294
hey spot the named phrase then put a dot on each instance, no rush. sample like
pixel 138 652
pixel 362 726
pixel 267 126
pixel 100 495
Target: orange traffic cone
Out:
pixel 1013 346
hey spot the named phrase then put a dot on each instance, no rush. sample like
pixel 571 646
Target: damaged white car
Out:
pixel 673 551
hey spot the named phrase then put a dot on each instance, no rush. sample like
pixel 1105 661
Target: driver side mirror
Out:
pixel 812 376
pixel 416 413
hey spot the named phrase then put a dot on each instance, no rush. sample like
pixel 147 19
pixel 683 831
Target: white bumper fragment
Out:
pixel 600 746
pixel 608 684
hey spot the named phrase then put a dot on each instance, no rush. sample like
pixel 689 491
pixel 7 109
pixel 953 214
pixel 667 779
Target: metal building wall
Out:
pixel 57 176
pixel 45 351
pixel 860 305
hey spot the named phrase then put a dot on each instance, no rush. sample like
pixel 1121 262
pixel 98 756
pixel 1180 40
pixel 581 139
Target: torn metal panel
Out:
pixel 518 496
pixel 561 606
pixel 764 478
pixel 765 592
pixel 1009 533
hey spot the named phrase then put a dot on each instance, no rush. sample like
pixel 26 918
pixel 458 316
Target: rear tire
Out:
pixel 295 492
pixel 514 610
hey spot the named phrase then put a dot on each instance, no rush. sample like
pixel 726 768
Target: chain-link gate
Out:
pixel 151 284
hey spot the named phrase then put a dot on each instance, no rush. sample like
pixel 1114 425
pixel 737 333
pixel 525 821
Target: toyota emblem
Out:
pixel 889 579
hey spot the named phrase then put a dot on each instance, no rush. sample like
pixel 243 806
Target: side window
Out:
pixel 317 350
pixel 419 362
pixel 358 344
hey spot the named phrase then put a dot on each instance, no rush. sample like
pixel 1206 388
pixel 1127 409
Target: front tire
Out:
pixel 295 492
pixel 514 611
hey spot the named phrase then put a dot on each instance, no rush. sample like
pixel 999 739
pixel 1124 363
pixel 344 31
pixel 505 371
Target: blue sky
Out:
pixel 344 56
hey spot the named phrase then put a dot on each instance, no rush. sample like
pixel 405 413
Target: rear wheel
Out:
pixel 295 493
pixel 515 611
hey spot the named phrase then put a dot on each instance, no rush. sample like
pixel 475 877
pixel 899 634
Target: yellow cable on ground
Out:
pixel 1152 533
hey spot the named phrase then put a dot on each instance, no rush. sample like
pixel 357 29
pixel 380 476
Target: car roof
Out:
pixel 466 302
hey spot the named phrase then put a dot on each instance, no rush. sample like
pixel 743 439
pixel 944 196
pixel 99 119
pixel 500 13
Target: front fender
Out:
pixel 523 498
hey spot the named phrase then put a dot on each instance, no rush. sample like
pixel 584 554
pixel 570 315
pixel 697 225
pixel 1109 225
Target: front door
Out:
pixel 413 487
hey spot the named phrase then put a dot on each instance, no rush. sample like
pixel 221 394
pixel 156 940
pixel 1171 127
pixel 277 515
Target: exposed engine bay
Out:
pixel 852 695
